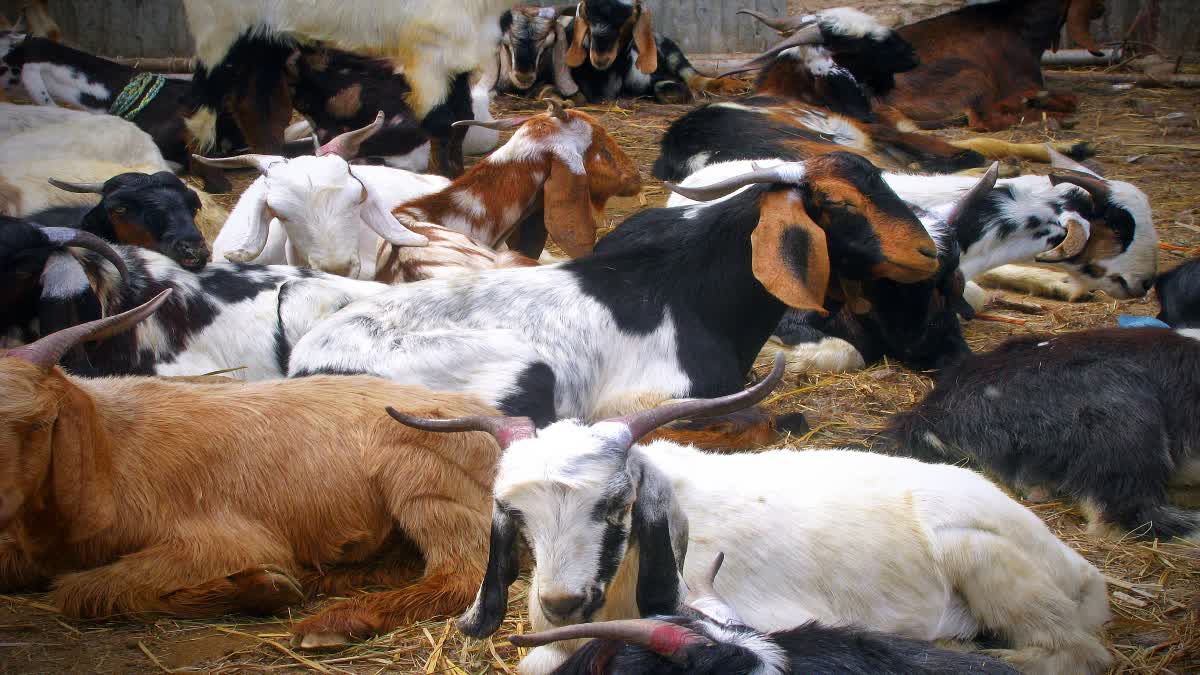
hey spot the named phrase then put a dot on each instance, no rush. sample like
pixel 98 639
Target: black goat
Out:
pixel 1104 416
pixel 155 211
pixel 95 84
pixel 1179 295
pixel 709 637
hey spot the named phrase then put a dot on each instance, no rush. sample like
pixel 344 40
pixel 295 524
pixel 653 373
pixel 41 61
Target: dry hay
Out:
pixel 1154 586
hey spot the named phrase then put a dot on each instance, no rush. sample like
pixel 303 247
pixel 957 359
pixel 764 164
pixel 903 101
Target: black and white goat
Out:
pixel 54 74
pixel 1179 295
pixel 614 51
pixel 674 302
pixel 707 637
pixel 1101 231
pixel 227 316
pixel 1104 416
pixel 533 54
pixel 620 530
pixel 243 48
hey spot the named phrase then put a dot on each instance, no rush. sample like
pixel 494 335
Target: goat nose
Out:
pixel 561 604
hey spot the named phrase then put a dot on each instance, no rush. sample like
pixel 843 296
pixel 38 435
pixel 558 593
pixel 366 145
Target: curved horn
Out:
pixel 507 430
pixel 1071 246
pixel 69 236
pixel 666 639
pixel 316 142
pixel 704 597
pixel 81 188
pixel 46 352
pixel 497 125
pixel 784 25
pixel 977 192
pixel 808 35
pixel 347 145
pixel 555 110
pixel 1061 161
pixel 1098 188
pixel 260 162
pixel 719 189
pixel 646 421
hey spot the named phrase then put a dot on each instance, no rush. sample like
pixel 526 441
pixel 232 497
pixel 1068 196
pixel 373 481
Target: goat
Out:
pixel 983 62
pixel 674 302
pixel 707 636
pixel 1179 295
pixel 1102 416
pixel 75 147
pixel 621 530
pixel 109 488
pixel 54 74
pixel 533 54
pixel 242 49
pixel 225 317
pixel 1101 230
pixel 553 177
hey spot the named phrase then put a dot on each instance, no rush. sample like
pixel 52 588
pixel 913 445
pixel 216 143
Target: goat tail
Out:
pixel 680 67
pixel 1150 521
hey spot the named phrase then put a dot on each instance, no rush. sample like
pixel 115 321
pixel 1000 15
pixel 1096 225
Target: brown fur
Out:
pixel 772 263
pixel 347 102
pixel 217 498
pixel 448 253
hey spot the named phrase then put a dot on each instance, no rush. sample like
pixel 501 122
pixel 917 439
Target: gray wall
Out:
pixel 158 27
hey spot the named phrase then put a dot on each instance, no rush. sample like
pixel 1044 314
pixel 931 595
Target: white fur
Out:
pixel 56 84
pixel 568 145
pixel 480 141
pixel 891 544
pixel 852 22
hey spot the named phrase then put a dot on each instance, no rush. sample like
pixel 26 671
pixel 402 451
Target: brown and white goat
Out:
pixel 553 176
pixel 143 497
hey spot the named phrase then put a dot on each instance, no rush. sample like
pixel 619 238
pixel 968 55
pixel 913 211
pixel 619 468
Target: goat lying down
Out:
pixel 925 551
pixel 674 302
pixel 141 497
pixel 708 637
pixel 1104 416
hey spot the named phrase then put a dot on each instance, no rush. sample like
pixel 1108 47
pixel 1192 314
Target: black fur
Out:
pixel 486 615
pixel 1179 294
pixel 658 568
pixel 810 648
pixel 534 396
pixel 1102 415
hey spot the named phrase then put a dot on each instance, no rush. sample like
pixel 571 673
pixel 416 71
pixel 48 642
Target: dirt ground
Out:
pixel 1154 586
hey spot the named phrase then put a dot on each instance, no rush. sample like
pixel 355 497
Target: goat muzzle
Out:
pixel 666 639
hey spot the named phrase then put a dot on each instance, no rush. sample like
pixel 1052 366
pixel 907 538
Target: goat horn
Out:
pixel 1098 188
pixel 81 188
pixel 646 421
pixel 719 189
pixel 347 145
pixel 555 110
pixel 507 430
pixel 46 352
pixel 260 162
pixel 666 639
pixel 1061 161
pixel 1071 245
pixel 808 35
pixel 705 599
pixel 978 192
pixel 316 142
pixel 784 25
pixel 497 125
pixel 69 236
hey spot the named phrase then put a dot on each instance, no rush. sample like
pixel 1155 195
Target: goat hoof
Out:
pixel 320 641
pixel 338 625
pixel 266 589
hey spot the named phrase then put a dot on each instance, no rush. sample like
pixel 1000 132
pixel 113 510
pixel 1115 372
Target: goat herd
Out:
pixel 413 368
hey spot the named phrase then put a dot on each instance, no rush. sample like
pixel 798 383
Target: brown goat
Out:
pixel 142 497
pixel 556 173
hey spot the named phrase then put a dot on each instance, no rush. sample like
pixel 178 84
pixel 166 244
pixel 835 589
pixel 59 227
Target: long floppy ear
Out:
pixel 559 61
pixel 660 529
pixel 377 217
pixel 568 208
pixel 81 468
pixel 485 615
pixel 790 254
pixel 576 54
pixel 643 38
pixel 244 235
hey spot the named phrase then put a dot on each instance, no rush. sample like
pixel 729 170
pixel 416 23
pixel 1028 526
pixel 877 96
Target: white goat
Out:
pixel 891 544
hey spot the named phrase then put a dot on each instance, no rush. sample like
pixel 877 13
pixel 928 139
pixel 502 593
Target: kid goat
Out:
pixel 674 302
pixel 142 497
pixel 925 551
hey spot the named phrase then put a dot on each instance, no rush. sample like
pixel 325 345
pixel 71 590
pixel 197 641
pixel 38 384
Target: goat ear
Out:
pixel 562 73
pixel 576 54
pixel 643 37
pixel 660 530
pixel 379 219
pixel 790 254
pixel 81 468
pixel 568 208
pixel 485 615
pixel 244 235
